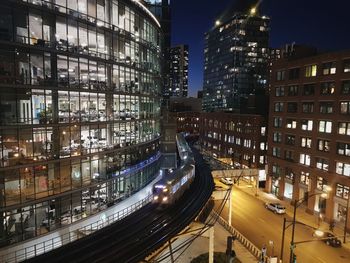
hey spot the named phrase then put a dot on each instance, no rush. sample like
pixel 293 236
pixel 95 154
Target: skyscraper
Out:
pixel 79 110
pixel 179 71
pixel 162 10
pixel 235 57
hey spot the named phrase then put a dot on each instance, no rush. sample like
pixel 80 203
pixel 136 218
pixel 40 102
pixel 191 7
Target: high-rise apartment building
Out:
pixel 179 71
pixel 309 131
pixel 236 57
pixel 79 110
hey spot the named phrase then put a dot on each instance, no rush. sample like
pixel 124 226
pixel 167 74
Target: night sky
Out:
pixel 321 23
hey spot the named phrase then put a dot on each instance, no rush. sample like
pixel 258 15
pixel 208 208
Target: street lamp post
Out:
pixel 230 207
pixel 346 218
pixel 297 203
pixel 283 232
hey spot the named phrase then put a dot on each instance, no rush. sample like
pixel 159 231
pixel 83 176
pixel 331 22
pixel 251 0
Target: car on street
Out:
pixel 277 208
pixel 227 180
pixel 331 240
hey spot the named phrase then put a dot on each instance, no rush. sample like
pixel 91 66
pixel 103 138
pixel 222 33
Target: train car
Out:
pixel 172 186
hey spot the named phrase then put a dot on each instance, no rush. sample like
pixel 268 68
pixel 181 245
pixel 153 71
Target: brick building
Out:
pixel 309 131
pixel 241 138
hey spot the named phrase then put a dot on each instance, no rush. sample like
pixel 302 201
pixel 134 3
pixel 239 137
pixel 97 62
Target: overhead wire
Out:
pixel 187 243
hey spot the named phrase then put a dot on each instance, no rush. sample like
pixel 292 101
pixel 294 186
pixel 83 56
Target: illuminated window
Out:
pixel 327 88
pixel 345 107
pixel 304 178
pixel 344 128
pixel 311 71
pixel 343 168
pixel 346 65
pixel 306 142
pixel 343 148
pixel 321 183
pixel 342 191
pixel 323 145
pixel 325 126
pixel 305 159
pixel 329 68
pixel 306 125
pixel 291 124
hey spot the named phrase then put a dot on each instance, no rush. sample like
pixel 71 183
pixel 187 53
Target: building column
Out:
pixel 329 208
pixel 268 184
pixel 329 213
pixel 311 201
pixel 281 188
pixel 296 187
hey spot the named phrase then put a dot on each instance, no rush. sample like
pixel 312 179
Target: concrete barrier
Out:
pixel 254 250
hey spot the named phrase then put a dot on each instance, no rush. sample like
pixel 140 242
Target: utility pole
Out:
pixel 283 232
pixel 346 218
pixel 211 244
pixel 257 185
pixel 230 207
pixel 171 253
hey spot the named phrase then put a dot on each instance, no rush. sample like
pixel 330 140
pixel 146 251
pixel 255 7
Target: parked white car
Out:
pixel 227 181
pixel 276 208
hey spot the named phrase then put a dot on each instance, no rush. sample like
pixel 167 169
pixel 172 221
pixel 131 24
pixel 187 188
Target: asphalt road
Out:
pixel 260 225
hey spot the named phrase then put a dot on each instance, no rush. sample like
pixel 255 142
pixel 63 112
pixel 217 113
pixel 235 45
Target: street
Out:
pixel 260 226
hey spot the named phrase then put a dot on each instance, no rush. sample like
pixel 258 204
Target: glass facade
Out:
pixel 178 71
pixel 162 10
pixel 80 90
pixel 236 56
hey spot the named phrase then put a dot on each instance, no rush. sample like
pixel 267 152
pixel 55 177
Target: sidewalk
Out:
pixel 201 246
pixel 302 215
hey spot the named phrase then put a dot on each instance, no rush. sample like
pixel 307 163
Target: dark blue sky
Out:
pixel 321 23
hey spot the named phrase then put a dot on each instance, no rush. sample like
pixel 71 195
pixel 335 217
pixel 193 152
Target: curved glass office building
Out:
pixel 79 110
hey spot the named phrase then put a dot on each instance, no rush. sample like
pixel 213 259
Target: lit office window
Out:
pixel 311 71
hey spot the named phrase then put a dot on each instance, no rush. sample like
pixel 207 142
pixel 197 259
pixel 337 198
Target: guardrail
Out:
pixel 56 242
pixel 254 250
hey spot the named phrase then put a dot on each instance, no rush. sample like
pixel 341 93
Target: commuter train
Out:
pixel 172 186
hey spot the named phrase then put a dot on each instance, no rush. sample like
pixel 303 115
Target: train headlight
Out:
pixel 165 190
pixel 155 197
pixel 165 198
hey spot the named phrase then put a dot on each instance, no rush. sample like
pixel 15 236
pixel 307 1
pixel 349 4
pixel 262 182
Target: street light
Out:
pixel 317 232
pixel 297 203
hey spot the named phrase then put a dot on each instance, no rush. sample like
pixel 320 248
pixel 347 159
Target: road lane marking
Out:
pixel 262 220
pixel 321 260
